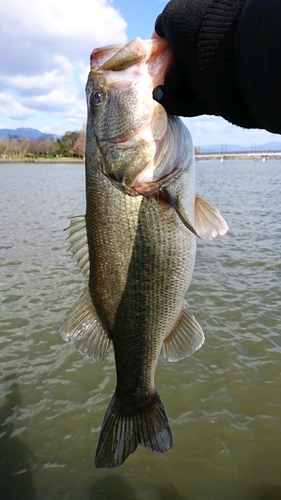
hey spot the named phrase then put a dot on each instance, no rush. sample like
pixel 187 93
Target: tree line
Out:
pixel 71 144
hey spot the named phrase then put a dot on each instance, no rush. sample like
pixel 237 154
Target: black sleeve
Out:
pixel 258 61
pixel 229 53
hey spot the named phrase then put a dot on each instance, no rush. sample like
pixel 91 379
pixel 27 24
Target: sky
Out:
pixel 44 62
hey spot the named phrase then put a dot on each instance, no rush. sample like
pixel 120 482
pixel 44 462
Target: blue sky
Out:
pixel 44 62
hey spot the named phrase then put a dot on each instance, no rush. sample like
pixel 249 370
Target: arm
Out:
pixel 228 60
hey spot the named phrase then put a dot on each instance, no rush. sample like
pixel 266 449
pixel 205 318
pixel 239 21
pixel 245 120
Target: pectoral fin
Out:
pixel 186 338
pixel 176 204
pixel 208 220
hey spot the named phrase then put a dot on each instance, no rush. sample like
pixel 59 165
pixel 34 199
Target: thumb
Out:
pixel 177 104
pixel 169 101
pixel 154 35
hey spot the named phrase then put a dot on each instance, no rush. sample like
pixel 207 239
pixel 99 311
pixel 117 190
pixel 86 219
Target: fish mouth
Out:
pixel 156 53
pixel 139 151
pixel 135 60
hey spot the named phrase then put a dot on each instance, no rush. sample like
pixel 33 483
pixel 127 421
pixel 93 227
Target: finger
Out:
pixel 172 104
pixel 176 79
pixel 158 27
pixel 187 105
pixel 154 35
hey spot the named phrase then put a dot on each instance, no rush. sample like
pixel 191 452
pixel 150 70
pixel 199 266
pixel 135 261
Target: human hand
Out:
pixel 179 24
pixel 177 95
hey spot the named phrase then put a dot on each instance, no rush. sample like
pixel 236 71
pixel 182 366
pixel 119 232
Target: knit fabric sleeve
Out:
pixel 217 63
pixel 258 61
pixel 230 51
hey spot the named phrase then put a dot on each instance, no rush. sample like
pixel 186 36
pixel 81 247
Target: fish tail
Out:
pixel 124 428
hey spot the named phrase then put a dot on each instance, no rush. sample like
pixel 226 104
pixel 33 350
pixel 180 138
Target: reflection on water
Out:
pixel 223 403
pixel 107 488
pixel 15 458
pixel 118 487
pixel 269 492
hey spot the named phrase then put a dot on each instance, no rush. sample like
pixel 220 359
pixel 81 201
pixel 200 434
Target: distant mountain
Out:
pixel 234 148
pixel 30 133
pixel 269 146
pixel 33 133
pixel 222 148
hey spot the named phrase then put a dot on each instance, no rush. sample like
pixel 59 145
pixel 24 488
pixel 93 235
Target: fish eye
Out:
pixel 96 97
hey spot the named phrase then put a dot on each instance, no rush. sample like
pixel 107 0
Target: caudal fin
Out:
pixel 124 428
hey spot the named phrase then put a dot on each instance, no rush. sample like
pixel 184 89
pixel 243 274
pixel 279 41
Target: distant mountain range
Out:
pixel 33 133
pixel 235 148
pixel 30 133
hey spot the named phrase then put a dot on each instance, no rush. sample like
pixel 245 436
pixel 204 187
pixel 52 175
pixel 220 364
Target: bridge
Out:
pixel 251 155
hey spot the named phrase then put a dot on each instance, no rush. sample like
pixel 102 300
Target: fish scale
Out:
pixel 136 244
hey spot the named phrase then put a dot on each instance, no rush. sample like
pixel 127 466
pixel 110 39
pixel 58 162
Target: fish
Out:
pixel 136 243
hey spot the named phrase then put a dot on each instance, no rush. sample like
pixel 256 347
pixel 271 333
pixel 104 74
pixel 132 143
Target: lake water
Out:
pixel 223 403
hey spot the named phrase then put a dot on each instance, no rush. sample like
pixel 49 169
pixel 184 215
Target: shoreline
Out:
pixel 42 160
pixel 260 156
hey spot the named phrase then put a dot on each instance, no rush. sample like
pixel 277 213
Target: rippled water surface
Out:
pixel 223 403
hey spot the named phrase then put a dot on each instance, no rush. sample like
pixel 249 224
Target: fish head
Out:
pixel 125 124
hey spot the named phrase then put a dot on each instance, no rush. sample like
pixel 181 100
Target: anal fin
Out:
pixel 186 338
pixel 82 327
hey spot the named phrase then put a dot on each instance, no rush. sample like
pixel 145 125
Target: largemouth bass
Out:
pixel 136 244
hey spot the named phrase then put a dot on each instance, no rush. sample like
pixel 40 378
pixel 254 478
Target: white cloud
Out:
pixel 27 84
pixel 84 71
pixel 207 130
pixel 46 48
pixel 59 100
pixel 13 109
pixel 44 28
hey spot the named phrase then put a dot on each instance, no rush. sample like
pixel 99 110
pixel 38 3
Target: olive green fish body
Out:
pixel 141 264
pixel 141 261
pixel 136 244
